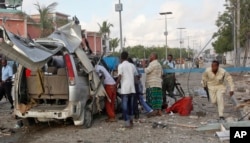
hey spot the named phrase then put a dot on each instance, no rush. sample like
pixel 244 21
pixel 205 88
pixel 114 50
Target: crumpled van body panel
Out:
pixel 46 91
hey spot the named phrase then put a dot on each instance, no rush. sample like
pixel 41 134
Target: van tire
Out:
pixel 88 118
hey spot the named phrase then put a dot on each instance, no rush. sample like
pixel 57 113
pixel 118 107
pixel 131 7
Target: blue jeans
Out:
pixel 144 104
pixel 139 97
pixel 127 106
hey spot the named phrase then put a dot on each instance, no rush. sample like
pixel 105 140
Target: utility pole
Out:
pixel 193 50
pixel 124 42
pixel 238 49
pixel 234 36
pixel 119 8
pixel 181 41
pixel 188 46
pixel 166 30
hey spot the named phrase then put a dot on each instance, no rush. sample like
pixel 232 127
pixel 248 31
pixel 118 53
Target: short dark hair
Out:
pixel 124 55
pixel 216 62
pixel 130 60
pixel 155 55
pixel 170 55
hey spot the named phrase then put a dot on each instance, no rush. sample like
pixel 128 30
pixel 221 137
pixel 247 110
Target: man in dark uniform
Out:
pixel 168 80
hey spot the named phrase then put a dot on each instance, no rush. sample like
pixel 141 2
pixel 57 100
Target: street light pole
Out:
pixel 166 30
pixel 181 41
pixel 238 51
pixel 119 8
pixel 188 47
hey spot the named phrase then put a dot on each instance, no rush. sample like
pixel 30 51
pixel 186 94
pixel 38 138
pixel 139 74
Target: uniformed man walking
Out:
pixel 213 80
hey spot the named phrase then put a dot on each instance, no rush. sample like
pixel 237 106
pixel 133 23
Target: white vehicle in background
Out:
pixel 55 79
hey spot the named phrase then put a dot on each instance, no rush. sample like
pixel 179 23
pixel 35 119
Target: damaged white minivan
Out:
pixel 55 78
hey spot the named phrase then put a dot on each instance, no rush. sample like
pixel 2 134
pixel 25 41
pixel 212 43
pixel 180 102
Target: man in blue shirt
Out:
pixel 6 83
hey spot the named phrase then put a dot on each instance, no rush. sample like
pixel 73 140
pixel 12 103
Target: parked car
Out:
pixel 55 79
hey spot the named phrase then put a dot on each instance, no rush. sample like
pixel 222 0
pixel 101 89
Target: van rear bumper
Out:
pixel 46 114
pixel 51 112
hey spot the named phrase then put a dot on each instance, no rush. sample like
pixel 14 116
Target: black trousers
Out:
pixel 168 85
pixel 5 89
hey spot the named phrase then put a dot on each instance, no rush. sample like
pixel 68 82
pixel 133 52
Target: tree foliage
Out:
pixel 46 22
pixel 105 28
pixel 141 52
pixel 224 36
pixel 114 43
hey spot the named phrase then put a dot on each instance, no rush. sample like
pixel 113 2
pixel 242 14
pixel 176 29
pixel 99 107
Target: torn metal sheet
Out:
pixel 27 52
pixel 11 53
pixel 93 77
pixel 70 35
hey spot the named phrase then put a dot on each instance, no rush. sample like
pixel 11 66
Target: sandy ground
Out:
pixel 113 132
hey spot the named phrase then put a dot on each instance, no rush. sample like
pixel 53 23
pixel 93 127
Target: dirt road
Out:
pixel 176 131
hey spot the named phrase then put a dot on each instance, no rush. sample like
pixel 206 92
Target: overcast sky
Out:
pixel 142 23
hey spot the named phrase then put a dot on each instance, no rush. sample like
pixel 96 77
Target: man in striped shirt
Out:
pixel 154 84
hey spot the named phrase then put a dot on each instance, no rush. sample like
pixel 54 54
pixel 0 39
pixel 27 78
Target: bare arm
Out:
pixel 119 75
pixel 118 80
pixel 149 69
pixel 204 79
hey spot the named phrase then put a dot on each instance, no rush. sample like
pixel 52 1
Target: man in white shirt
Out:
pixel 110 87
pixel 170 62
pixel 126 74
pixel 6 83
pixel 139 95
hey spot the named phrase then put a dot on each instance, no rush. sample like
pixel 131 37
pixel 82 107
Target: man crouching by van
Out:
pixel 110 87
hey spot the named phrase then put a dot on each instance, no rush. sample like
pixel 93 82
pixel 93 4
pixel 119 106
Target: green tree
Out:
pixel 141 52
pixel 105 28
pixel 224 35
pixel 46 22
pixel 113 43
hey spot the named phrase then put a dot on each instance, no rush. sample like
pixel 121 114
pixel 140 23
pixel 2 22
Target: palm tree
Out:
pixel 46 22
pixel 105 28
pixel 114 43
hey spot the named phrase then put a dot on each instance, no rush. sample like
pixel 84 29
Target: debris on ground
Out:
pixel 223 134
pixel 217 126
pixel 245 106
pixel 200 92
pixel 6 131
pixel 201 114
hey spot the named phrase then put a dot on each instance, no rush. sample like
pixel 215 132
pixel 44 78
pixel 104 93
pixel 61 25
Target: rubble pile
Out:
pixel 243 98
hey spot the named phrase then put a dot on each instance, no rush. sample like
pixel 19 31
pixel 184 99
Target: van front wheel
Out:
pixel 88 118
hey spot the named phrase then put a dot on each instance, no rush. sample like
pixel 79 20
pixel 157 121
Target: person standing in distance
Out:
pixel 154 84
pixel 168 83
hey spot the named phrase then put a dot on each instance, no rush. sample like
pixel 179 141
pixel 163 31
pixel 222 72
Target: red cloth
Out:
pixel 110 106
pixel 183 106
pixel 27 72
